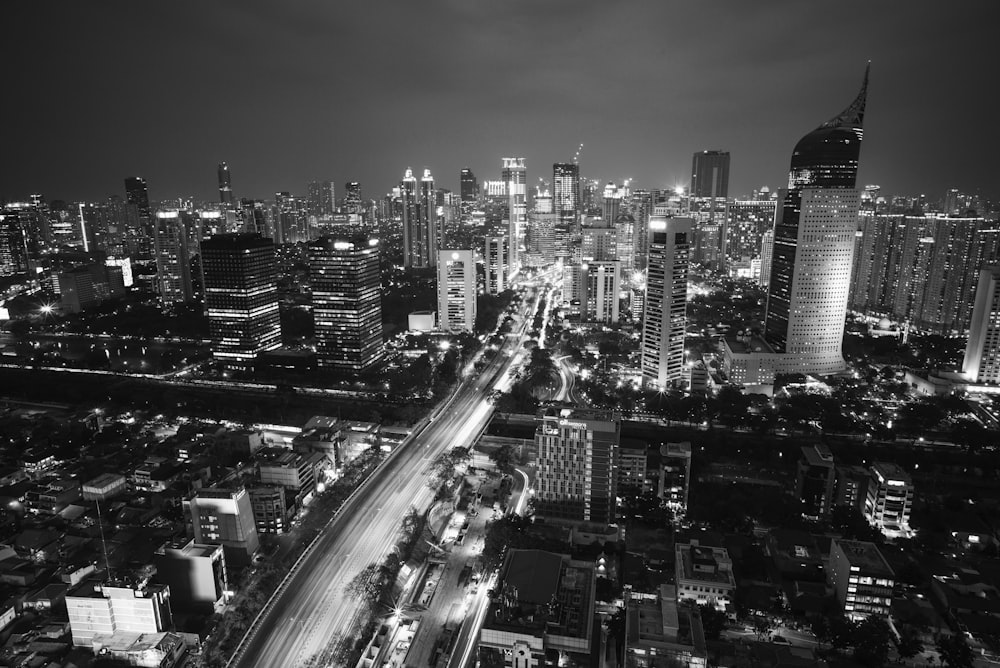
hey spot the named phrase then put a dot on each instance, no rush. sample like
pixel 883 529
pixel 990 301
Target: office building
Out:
pixel 613 195
pixel 577 455
pixel 468 186
pixel 704 574
pixel 602 295
pixel 196 574
pixel 545 608
pixel 889 500
pixel 660 633
pixel 83 287
pixel 861 578
pixel 515 176
pixel 173 261
pixel 852 487
pixel 353 202
pixel 225 186
pixel 225 516
pixel 814 481
pixel 982 352
pixel 814 237
pixel 241 297
pixel 271 509
pixel 13 244
pixel 346 301
pixel 665 314
pixel 675 475
pixel 430 222
pixel 99 610
pixel 495 261
pixel 710 174
pixel 456 291
pixel 747 222
pixel 566 191
pixel 766 257
pixel 599 243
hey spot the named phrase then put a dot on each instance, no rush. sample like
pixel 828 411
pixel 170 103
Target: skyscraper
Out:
pixel 566 189
pixel 710 174
pixel 468 186
pixel 577 459
pixel 139 218
pixel 352 197
pixel 346 301
pixel 225 186
pixel 515 176
pixel 241 297
pixel 430 222
pixel 13 247
pixel 982 353
pixel 322 199
pixel 766 257
pixel 456 290
pixel 173 261
pixel 414 234
pixel 814 237
pixel 665 316
pixel 495 261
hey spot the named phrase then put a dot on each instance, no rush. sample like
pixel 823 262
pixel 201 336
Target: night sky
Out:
pixel 293 92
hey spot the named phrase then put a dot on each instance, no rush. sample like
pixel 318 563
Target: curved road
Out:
pixel 311 610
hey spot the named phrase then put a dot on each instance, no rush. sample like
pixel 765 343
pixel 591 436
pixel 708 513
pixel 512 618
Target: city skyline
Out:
pixel 174 141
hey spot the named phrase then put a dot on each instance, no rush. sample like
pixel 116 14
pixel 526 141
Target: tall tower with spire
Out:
pixel 813 248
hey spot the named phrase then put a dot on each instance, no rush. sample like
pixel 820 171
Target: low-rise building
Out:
pixel 851 488
pixel 270 509
pixel 297 473
pixel 675 475
pixel 545 608
pixel 861 578
pixel 102 608
pixel 748 360
pixel 659 634
pixel 889 500
pixel 704 574
pixel 632 464
pixel 52 497
pixel 196 573
pixel 814 481
pixel 104 486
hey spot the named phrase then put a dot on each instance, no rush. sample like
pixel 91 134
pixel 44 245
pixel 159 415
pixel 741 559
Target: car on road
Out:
pixel 781 640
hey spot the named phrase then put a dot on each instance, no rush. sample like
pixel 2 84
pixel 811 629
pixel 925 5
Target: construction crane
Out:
pixel 576 158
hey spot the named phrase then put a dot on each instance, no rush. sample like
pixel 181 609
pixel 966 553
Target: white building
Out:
pixel 456 291
pixel 665 316
pixel 704 575
pixel 982 353
pixel 890 500
pixel 98 609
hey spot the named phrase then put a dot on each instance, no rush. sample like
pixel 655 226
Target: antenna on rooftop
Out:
pixel 104 543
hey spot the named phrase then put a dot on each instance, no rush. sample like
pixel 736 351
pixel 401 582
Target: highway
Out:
pixel 311 611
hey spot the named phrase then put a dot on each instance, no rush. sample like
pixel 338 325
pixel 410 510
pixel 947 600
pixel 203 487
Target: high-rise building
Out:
pixel 241 297
pixel 814 237
pixel 430 221
pixel 665 315
pixel 747 222
pixel 254 214
pixel 766 256
pixel 577 458
pixel 495 261
pixel 566 191
pixel 602 302
pixel 456 289
pixel 140 218
pixel 321 200
pixel 814 479
pixel 173 261
pixel 612 203
pixel 225 516
pixel 415 242
pixel 982 352
pixel 515 176
pixel 353 204
pixel 710 180
pixel 468 186
pixel 347 302
pixel 13 244
pixel 225 186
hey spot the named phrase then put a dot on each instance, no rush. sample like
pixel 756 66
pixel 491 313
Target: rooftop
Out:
pixel 890 471
pixel 741 344
pixel 535 574
pixel 817 455
pixel 866 556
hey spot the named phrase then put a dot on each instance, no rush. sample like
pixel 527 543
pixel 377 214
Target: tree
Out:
pixel 842 631
pixel 909 644
pixel 504 458
pixel 955 651
pixel 871 642
pixel 763 625
pixel 712 621
pixel 364 585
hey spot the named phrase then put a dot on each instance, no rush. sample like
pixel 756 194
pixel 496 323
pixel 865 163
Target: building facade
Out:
pixel 889 500
pixel 577 457
pixel 225 516
pixel 861 578
pixel 173 261
pixel 456 291
pixel 346 301
pixel 665 313
pixel 241 297
pixel 982 352
pixel 813 249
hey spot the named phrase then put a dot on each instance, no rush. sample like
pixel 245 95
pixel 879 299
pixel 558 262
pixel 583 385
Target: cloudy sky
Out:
pixel 289 92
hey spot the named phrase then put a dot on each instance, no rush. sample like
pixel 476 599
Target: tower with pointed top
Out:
pixel 414 240
pixel 813 246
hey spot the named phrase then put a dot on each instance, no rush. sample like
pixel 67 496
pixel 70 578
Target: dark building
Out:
pixel 13 245
pixel 814 481
pixel 241 297
pixel 139 218
pixel 710 174
pixel 352 197
pixel 814 233
pixel 321 201
pixel 346 301
pixel 415 243
pixel 225 186
pixel 468 186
